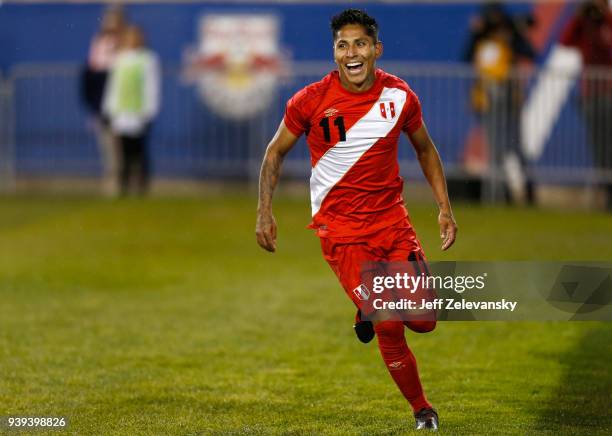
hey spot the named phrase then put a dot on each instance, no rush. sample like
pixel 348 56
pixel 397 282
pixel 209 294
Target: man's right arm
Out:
pixel 280 145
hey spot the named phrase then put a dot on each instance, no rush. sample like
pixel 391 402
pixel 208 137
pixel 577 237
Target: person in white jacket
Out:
pixel 131 102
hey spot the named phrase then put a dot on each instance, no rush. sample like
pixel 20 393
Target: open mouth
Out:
pixel 354 67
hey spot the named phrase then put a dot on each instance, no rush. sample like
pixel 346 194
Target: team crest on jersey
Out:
pixel 387 110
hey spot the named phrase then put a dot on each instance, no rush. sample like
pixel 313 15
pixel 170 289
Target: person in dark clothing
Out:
pixel 497 41
pixel 94 77
pixel 590 31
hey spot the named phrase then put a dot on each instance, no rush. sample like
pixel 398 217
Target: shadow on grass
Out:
pixel 581 403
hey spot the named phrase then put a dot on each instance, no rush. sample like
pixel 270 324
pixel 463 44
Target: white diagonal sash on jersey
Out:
pixel 339 159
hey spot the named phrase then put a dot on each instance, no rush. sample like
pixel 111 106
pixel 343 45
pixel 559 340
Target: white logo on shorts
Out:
pixel 362 292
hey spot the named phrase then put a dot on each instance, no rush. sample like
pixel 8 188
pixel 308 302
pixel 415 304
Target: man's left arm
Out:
pixel 430 162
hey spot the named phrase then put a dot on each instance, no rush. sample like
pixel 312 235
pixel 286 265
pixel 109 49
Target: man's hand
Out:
pixel 265 229
pixel 448 229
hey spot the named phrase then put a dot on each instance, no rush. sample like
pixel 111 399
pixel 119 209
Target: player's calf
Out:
pixel 400 362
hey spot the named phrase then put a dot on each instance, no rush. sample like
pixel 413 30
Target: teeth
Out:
pixel 354 64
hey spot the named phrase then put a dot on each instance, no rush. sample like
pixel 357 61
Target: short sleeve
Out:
pixel 414 115
pixel 294 119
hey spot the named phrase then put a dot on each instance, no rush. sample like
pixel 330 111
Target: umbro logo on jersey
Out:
pixel 331 112
pixel 387 110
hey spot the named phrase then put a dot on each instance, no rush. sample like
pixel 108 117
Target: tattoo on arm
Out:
pixel 268 178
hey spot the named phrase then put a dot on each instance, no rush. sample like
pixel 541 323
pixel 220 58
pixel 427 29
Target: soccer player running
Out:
pixel 353 118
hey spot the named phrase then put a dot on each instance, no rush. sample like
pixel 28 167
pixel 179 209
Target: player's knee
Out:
pixel 421 326
pixel 392 330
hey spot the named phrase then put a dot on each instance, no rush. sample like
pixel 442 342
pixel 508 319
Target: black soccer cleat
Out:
pixel 426 419
pixel 363 329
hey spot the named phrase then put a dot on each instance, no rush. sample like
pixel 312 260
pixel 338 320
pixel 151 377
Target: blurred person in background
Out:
pixel 590 31
pixel 496 43
pixel 102 52
pixel 131 102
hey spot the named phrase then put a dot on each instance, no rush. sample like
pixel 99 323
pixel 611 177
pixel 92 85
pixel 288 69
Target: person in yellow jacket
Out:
pixel 131 102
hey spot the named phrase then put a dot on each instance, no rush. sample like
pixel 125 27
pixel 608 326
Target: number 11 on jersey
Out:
pixel 339 123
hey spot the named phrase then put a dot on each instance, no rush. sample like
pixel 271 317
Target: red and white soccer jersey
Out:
pixel 355 186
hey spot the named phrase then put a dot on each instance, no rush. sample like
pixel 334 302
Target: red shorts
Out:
pixel 356 260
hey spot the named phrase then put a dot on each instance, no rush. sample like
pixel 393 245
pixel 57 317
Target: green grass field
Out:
pixel 162 316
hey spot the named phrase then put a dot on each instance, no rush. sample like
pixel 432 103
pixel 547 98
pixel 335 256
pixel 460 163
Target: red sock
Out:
pixel 401 362
pixel 421 326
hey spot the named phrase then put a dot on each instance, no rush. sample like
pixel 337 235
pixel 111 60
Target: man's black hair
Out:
pixel 354 16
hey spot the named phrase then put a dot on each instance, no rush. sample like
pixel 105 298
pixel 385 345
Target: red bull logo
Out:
pixel 238 63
